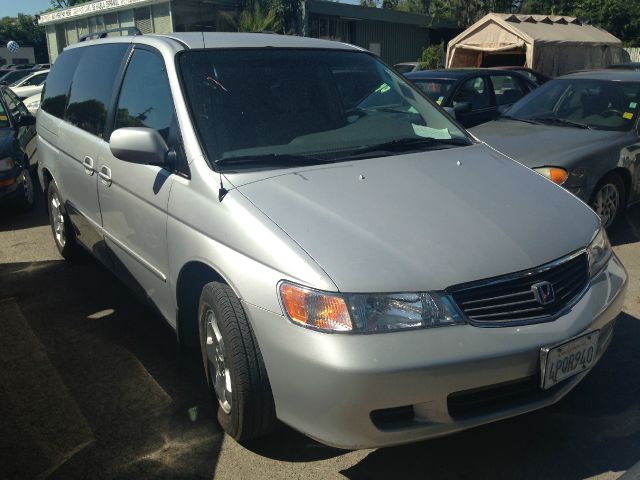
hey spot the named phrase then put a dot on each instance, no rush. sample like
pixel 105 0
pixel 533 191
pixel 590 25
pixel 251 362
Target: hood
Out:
pixel 423 221
pixel 542 145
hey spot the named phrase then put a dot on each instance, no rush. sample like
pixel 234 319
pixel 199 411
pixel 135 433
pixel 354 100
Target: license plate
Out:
pixel 567 359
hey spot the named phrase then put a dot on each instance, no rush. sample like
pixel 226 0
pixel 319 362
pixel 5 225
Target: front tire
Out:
pixel 608 200
pixel 233 365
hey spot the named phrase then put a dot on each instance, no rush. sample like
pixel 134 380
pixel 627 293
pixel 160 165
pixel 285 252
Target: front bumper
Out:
pixel 354 391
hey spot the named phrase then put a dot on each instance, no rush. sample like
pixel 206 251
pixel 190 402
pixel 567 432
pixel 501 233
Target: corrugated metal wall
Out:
pixel 398 42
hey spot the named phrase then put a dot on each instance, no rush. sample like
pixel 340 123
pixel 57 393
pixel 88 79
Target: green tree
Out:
pixel 24 30
pixel 57 4
pixel 289 15
pixel 253 18
pixel 432 57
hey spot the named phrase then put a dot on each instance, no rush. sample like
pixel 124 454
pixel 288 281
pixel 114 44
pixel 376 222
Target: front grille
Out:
pixel 510 299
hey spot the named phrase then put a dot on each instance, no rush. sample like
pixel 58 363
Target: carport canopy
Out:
pixel 550 44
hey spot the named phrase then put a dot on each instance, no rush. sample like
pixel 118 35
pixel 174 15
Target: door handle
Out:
pixel 105 175
pixel 88 166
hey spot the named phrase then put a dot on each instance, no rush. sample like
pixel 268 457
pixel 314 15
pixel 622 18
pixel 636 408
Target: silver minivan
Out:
pixel 348 259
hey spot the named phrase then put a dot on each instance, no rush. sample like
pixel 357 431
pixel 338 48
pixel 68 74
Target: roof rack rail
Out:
pixel 103 34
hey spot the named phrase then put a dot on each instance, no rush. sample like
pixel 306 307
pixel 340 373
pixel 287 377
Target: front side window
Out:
pixel 474 92
pixel 93 86
pixel 582 103
pixel 15 106
pixel 308 106
pixel 145 98
pixel 436 90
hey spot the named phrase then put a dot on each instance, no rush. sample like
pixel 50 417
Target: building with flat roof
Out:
pixel 394 36
pixel 22 56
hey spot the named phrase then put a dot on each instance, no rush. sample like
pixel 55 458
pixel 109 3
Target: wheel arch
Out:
pixel 193 276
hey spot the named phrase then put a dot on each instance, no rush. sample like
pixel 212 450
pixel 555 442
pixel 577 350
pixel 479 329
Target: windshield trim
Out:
pixel 211 162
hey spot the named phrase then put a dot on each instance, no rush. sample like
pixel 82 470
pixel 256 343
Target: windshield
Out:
pixel 436 89
pixel 12 77
pixel 321 105
pixel 584 103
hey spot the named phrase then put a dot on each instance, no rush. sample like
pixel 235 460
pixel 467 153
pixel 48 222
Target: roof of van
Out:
pixel 236 40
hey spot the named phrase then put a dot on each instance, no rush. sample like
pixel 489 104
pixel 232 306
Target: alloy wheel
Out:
pixel 217 360
pixel 27 187
pixel 606 203
pixel 57 219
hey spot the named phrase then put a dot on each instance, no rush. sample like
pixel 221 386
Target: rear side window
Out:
pixel 56 91
pixel 508 89
pixel 93 85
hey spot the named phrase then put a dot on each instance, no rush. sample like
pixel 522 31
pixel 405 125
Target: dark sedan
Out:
pixel 17 151
pixel 580 131
pixel 476 95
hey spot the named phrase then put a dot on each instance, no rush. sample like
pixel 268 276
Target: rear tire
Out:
pixel 608 200
pixel 233 365
pixel 63 233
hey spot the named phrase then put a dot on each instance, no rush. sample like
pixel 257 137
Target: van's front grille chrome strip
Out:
pixel 531 296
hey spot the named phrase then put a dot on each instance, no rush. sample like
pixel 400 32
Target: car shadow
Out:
pixel 125 403
pixel 11 219
pixel 594 430
pixel 628 230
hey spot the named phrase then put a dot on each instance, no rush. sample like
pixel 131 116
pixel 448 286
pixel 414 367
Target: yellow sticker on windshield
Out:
pixel 3 118
pixel 439 101
pixel 383 88
pixel 627 115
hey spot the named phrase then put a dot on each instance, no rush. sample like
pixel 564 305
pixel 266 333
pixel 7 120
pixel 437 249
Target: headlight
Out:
pixel 599 252
pixel 6 164
pixel 555 174
pixel 367 312
pixel 33 105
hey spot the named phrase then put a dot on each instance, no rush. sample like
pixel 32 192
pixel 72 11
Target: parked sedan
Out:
pixel 580 131
pixel 475 96
pixel 31 85
pixel 17 151
pixel 7 77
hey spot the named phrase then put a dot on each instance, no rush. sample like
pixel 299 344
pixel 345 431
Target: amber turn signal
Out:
pixel 555 174
pixel 315 309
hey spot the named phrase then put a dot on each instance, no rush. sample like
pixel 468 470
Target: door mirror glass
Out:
pixel 25 120
pixel 462 107
pixel 139 145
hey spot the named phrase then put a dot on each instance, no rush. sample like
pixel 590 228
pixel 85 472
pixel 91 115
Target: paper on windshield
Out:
pixel 428 132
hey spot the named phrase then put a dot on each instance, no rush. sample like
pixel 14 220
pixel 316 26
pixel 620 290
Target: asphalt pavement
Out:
pixel 93 386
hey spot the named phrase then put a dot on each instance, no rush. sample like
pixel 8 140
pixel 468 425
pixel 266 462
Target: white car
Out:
pixel 30 85
pixel 33 103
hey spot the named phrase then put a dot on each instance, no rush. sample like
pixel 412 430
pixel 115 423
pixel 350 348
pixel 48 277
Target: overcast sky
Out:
pixel 13 7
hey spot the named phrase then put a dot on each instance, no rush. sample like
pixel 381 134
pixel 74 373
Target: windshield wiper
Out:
pixel 561 121
pixel 409 143
pixel 525 120
pixel 271 160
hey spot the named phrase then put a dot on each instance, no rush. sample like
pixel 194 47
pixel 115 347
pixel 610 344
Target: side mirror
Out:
pixel 450 111
pixel 462 107
pixel 25 120
pixel 139 145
